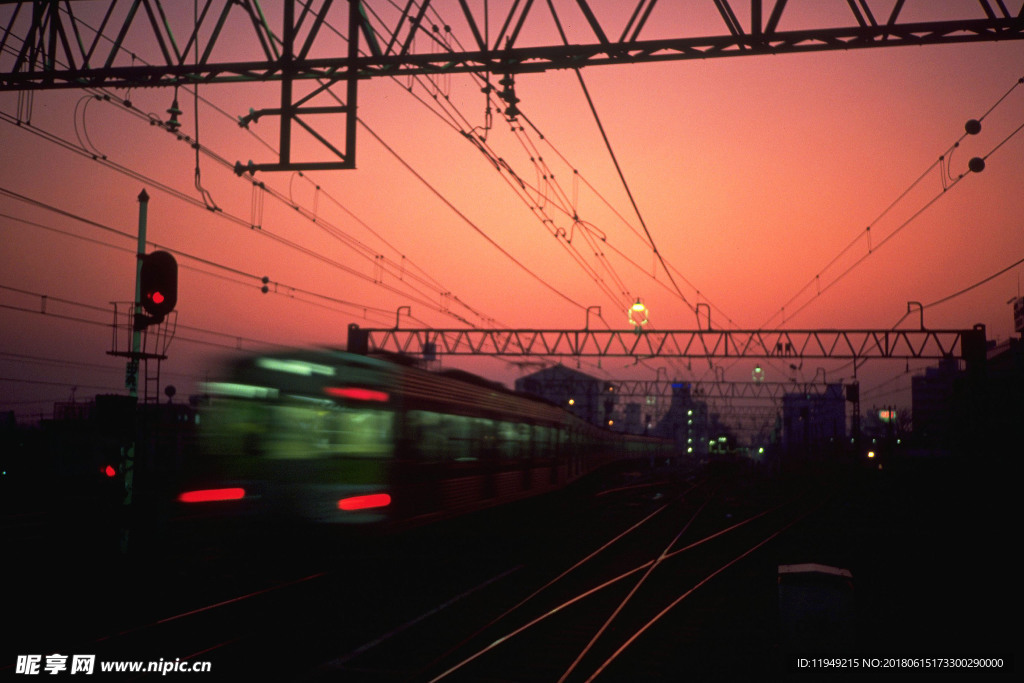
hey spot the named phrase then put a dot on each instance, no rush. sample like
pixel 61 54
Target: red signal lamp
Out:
pixel 158 285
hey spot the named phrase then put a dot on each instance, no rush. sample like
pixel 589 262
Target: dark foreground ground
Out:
pixel 929 545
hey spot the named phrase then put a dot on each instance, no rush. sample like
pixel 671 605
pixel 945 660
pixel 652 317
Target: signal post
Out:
pixel 142 332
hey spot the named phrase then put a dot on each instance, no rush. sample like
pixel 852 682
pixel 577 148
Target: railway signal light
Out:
pixel 158 286
pixel 638 315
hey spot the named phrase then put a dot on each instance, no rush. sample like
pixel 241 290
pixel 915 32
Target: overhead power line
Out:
pixel 254 280
pixel 975 166
pixel 47 301
pixel 534 196
pixel 615 161
pixel 963 291
pixel 399 273
pixel 467 220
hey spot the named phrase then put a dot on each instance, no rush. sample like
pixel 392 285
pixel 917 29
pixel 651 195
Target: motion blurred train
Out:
pixel 340 438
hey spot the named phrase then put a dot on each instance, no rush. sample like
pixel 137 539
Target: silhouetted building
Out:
pixel 814 423
pixel 587 397
pixel 74 410
pixel 686 422
pixel 633 422
pixel 936 397
pixel 887 423
pixel 1005 409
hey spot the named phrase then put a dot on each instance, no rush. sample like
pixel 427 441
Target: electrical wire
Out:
pixel 454 119
pixel 948 182
pixel 207 201
pixel 465 218
pixel 152 182
pixel 577 176
pixel 597 252
pixel 615 162
pixel 254 280
pixel 963 291
pixel 455 298
pixel 441 43
pixel 6 356
pixel 90 307
pixel 937 302
pixel 357 247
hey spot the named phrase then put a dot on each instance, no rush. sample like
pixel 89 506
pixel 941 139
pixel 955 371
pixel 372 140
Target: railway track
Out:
pixel 640 577
pixel 613 611
pixel 603 581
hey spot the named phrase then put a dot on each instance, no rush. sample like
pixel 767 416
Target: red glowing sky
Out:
pixel 752 174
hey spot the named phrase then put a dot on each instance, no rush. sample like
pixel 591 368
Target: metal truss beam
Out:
pixel 773 391
pixel 761 414
pixel 722 344
pixel 48 44
pixel 663 389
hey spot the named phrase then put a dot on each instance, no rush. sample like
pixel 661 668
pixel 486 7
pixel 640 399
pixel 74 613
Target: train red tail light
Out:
pixel 357 394
pixel 367 502
pixel 211 495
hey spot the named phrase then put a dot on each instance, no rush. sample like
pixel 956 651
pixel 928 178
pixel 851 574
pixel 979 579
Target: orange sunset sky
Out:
pixel 753 174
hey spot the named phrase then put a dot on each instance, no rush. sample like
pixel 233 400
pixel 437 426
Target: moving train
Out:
pixel 341 438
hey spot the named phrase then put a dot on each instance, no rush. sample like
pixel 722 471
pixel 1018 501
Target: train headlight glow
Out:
pixel 295 367
pixel 235 390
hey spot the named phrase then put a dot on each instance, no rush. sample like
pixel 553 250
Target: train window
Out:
pixel 426 435
pixel 301 430
pixel 511 441
pixel 524 440
pixel 539 442
pixel 485 438
pixel 459 430
pixel 439 437
pixel 521 437
pixel 233 427
pixel 359 431
pixel 297 430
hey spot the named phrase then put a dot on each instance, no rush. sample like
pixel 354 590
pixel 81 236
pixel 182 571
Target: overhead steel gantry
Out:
pixel 313 45
pixel 854 345
pixel 698 389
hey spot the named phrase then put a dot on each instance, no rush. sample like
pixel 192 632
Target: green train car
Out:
pixel 340 438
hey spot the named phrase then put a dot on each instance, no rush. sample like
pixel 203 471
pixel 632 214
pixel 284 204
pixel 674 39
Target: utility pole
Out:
pixel 143 329
pixel 132 374
pixel 132 380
